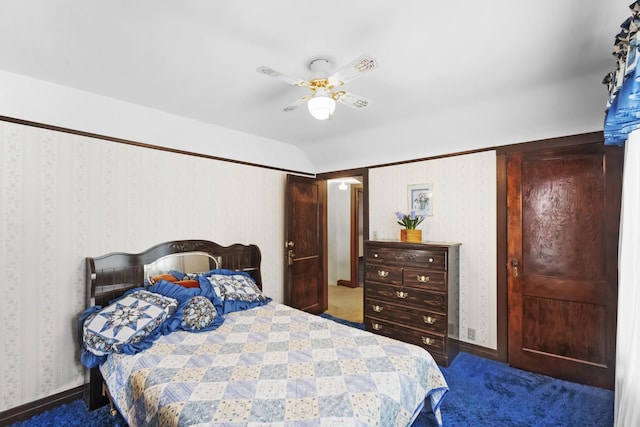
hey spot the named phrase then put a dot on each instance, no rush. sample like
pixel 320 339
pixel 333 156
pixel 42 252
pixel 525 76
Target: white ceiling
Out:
pixel 453 75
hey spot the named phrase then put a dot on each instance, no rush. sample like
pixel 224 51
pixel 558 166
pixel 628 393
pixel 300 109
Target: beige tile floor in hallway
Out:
pixel 346 303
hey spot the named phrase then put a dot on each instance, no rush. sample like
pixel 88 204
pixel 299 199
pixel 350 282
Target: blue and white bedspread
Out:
pixel 275 366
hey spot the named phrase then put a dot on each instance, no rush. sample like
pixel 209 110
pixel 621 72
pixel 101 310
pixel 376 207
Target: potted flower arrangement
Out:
pixel 410 222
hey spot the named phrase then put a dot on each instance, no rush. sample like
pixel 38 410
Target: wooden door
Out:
pixel 305 244
pixel 563 219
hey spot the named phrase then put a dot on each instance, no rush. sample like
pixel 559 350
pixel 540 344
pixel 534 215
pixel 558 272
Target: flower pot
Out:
pixel 414 236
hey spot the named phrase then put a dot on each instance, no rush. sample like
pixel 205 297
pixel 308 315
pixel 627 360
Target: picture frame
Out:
pixel 421 199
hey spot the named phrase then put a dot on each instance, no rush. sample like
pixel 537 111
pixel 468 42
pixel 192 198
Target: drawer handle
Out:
pixel 375 255
pixel 402 294
pixel 377 308
pixel 429 320
pixel 383 273
pixel 422 279
pixel 428 341
pixel 430 259
pixel 376 326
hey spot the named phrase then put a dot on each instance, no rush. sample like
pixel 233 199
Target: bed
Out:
pixel 258 363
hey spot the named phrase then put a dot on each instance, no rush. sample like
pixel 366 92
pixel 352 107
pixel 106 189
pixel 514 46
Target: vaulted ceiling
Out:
pixel 452 76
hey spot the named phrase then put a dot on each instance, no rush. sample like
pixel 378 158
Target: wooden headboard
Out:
pixel 109 276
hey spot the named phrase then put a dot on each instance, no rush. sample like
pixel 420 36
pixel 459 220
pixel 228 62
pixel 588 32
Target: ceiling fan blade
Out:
pixel 292 106
pixel 353 70
pixel 356 102
pixel 284 77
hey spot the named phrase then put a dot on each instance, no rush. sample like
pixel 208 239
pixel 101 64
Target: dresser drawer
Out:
pixel 384 274
pixel 421 299
pixel 419 319
pixel 431 259
pixel 433 343
pixel 422 278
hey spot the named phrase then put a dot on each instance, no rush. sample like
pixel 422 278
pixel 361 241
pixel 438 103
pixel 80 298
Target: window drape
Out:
pixel 627 384
pixel 622 125
pixel 623 104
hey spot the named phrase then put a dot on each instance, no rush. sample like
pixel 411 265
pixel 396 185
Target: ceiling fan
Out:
pixel 326 88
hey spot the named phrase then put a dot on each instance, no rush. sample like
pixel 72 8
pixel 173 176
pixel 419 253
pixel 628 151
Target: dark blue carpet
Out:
pixel 74 414
pixel 344 322
pixel 482 393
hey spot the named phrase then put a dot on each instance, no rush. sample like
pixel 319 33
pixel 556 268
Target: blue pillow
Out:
pixel 171 290
pixel 184 296
pixel 199 314
pixel 127 325
pixel 237 289
pixel 178 274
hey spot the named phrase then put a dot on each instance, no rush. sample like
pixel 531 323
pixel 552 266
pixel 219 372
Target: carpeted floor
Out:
pixel 488 393
pixel 482 393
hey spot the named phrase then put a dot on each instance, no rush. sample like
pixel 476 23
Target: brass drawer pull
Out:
pixel 428 341
pixel 422 279
pixel 377 308
pixel 376 326
pixel 375 255
pixel 429 320
pixel 383 273
pixel 430 259
pixel 402 294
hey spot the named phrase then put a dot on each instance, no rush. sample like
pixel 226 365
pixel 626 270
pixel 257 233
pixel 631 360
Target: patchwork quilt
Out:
pixel 275 366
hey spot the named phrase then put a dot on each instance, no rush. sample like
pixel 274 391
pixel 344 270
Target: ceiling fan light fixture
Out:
pixel 322 101
pixel 321 106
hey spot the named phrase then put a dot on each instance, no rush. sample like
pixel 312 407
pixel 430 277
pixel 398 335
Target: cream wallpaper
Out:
pixel 464 211
pixel 64 197
pixel 338 233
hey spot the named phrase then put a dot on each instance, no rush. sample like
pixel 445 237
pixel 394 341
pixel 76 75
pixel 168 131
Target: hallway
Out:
pixel 346 303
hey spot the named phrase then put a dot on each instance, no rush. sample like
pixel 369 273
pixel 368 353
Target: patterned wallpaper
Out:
pixel 464 211
pixel 64 197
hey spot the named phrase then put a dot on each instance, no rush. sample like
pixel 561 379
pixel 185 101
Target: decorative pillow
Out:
pixel 199 313
pixel 209 284
pixel 184 296
pixel 188 283
pixel 128 325
pixel 238 291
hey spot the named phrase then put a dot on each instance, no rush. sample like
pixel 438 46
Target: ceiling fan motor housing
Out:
pixel 320 68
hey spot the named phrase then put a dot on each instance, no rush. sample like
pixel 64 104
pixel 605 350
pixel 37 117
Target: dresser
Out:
pixel 411 293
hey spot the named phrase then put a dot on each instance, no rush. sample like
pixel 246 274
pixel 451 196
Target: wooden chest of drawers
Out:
pixel 411 294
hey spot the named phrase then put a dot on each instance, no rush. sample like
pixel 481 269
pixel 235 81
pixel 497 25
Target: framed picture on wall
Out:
pixel 421 199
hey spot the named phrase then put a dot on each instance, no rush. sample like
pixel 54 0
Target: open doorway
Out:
pixel 345 251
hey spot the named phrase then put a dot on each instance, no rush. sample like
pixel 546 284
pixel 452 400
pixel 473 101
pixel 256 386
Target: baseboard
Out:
pixel 476 350
pixel 347 283
pixel 29 410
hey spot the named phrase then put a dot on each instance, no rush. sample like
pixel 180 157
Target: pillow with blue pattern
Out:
pixel 237 289
pixel 198 314
pixel 127 325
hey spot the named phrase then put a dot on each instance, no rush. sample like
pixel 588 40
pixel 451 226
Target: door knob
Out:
pixel 289 244
pixel 514 264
